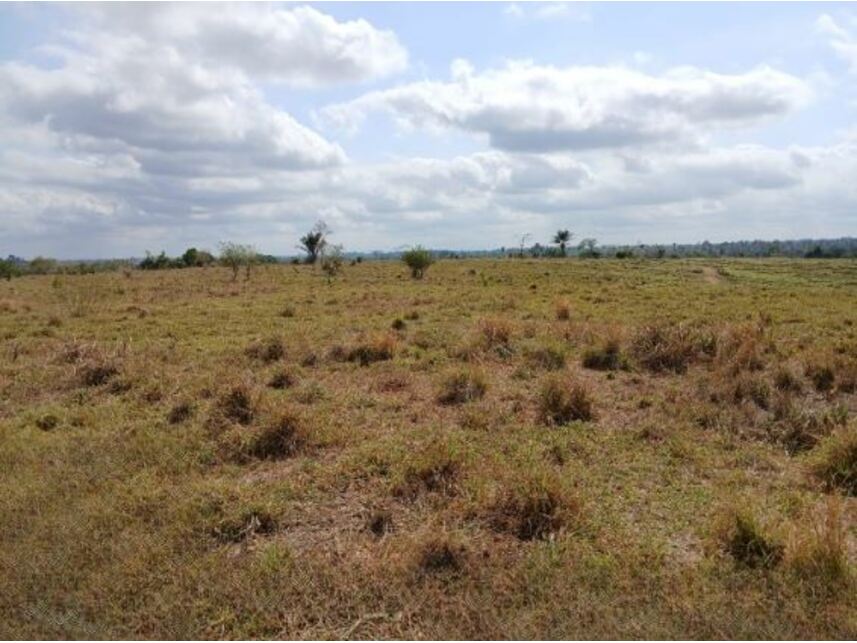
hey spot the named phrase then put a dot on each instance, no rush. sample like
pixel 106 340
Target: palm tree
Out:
pixel 562 237
pixel 314 241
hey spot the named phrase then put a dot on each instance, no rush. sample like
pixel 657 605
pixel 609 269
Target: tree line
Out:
pixel 316 248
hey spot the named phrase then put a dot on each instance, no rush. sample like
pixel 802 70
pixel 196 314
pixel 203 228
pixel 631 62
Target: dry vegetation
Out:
pixel 526 449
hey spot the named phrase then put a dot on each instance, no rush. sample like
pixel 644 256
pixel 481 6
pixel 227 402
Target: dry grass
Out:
pixel 563 400
pixel 187 457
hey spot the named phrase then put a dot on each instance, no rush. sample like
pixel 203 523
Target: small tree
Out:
pixel 190 258
pixel 235 255
pixel 418 259
pixel 561 238
pixel 331 261
pixel 313 242
pixel 586 248
pixel 8 269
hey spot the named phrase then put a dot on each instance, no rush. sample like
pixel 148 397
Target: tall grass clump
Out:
pixel 835 462
pixel 462 385
pixel 561 400
pixel 661 348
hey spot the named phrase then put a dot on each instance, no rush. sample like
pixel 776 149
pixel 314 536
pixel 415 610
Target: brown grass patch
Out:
pixel 562 400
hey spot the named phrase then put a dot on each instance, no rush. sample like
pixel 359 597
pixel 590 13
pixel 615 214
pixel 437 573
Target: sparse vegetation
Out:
pixel 511 448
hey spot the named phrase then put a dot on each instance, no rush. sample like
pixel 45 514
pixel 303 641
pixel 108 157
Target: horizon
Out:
pixel 453 126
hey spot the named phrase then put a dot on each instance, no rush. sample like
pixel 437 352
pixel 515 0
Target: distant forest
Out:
pixel 843 247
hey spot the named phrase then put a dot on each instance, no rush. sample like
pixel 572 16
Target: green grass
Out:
pixel 350 499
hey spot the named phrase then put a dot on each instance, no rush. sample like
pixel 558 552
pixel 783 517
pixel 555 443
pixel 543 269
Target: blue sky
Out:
pixel 127 128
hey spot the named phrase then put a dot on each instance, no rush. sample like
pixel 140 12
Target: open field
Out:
pixel 535 449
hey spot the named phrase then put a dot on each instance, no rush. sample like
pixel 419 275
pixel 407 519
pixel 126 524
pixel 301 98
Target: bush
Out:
pixel 562 401
pixel 463 385
pixel 418 259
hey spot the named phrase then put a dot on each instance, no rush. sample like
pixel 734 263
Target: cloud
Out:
pixel 300 46
pixel 843 42
pixel 533 108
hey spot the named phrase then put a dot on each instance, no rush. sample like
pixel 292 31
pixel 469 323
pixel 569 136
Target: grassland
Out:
pixel 182 455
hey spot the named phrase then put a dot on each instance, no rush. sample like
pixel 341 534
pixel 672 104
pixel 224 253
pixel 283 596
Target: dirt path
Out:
pixel 710 275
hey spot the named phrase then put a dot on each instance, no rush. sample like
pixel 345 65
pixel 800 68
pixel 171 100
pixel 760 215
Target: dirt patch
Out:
pixel 711 276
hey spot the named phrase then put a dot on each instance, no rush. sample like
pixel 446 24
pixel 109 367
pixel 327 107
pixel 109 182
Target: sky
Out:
pixel 127 128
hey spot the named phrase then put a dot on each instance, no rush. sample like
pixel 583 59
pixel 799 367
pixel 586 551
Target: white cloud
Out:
pixel 843 42
pixel 298 46
pixel 527 107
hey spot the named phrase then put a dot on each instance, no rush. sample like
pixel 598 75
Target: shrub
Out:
pixel 462 385
pixel 288 311
pixel 562 401
pixel 835 464
pixel 418 259
pixel 664 348
pixel 398 324
pixel 267 350
pixel 376 348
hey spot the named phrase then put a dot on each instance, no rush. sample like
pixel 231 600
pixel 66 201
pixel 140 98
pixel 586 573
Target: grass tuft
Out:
pixel 562 400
